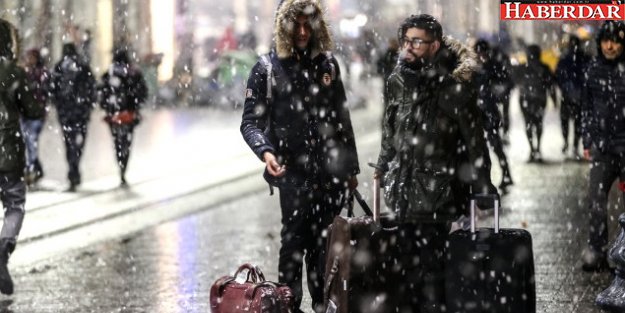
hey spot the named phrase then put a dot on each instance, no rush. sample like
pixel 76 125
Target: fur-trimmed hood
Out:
pixel 8 40
pixel 284 26
pixel 457 59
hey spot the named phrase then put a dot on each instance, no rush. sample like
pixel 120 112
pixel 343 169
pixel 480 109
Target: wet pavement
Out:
pixel 195 211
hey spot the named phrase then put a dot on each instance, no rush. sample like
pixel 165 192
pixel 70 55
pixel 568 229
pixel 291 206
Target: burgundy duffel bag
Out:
pixel 248 291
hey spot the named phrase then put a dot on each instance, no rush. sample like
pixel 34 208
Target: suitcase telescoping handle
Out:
pixel 376 192
pixel 376 199
pixel 495 199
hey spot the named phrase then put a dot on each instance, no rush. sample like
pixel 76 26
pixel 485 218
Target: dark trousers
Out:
pixel 421 287
pixel 570 110
pixel 74 136
pixel 306 215
pixel 122 136
pixel 13 195
pixel 604 169
pixel 32 129
pixel 494 140
pixel 533 109
pixel 505 111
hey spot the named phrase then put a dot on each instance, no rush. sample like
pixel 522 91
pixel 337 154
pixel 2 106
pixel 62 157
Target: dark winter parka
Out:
pixel 603 103
pixel 123 87
pixel 485 80
pixel 73 87
pixel 534 80
pixel 16 100
pixel 570 74
pixel 433 144
pixel 39 79
pixel 493 81
pixel 299 117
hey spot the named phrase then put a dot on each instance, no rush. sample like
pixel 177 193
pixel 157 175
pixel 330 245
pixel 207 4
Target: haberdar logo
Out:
pixel 562 10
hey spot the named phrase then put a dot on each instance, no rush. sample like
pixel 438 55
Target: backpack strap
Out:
pixel 266 61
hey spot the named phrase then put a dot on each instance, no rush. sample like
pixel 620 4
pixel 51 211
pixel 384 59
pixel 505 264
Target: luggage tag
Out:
pixel 331 307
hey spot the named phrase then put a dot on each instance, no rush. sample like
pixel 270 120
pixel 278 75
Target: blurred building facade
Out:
pixel 95 26
pixel 187 32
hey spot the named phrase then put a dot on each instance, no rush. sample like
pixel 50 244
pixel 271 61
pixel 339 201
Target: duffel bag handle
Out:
pixel 355 194
pixel 253 271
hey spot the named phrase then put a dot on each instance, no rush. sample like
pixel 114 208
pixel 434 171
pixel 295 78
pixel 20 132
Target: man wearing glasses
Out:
pixel 433 153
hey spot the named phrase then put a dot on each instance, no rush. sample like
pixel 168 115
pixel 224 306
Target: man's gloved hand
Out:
pixel 352 183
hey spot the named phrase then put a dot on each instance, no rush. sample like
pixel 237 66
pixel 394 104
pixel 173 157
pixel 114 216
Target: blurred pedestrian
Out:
pixel 502 86
pixel 16 100
pixel 432 147
pixel 73 93
pixel 387 62
pixel 228 41
pixel 603 131
pixel 123 90
pixel 570 78
pixel 295 120
pixel 487 80
pixel 39 80
pixel 534 81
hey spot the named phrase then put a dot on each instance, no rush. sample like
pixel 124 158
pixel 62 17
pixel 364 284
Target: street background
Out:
pixel 197 208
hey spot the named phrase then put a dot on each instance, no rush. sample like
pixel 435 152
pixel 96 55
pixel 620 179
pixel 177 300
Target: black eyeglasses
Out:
pixel 415 43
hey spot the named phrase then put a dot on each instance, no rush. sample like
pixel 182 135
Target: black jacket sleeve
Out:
pixel 256 113
pixel 387 149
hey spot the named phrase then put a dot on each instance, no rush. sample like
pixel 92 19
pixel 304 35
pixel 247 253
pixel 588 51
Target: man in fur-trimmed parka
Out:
pixel 433 153
pixel 296 122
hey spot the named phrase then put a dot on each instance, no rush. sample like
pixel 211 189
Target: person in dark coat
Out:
pixel 16 100
pixel 74 95
pixel 502 87
pixel 603 132
pixel 123 90
pixel 39 79
pixel 534 81
pixel 570 78
pixel 432 148
pixel 487 79
pixel 387 62
pixel 296 121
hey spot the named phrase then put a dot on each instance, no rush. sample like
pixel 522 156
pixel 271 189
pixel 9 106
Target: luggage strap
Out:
pixel 266 61
pixel 356 194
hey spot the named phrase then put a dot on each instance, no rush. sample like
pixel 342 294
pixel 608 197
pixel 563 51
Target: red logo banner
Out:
pixel 565 10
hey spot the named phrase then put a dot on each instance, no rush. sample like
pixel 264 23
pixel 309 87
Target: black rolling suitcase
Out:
pixel 490 269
